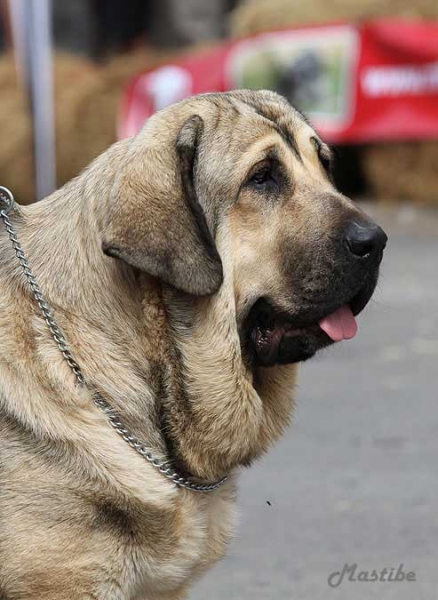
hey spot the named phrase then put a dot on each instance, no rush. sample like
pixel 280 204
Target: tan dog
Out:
pixel 190 268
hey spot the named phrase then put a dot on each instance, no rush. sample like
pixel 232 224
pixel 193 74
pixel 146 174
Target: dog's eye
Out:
pixel 324 156
pixel 262 177
pixel 326 163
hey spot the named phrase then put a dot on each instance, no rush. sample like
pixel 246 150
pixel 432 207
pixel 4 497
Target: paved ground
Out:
pixel 355 480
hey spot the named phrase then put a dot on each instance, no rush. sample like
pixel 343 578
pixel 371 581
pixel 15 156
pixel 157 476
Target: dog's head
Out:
pixel 236 187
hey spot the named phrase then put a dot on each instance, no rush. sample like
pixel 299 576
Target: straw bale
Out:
pixel 403 171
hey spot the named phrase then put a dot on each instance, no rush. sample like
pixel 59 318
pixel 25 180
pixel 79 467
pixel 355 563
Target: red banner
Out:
pixel 371 82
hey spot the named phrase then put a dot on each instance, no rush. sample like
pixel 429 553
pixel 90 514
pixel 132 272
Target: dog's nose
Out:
pixel 365 241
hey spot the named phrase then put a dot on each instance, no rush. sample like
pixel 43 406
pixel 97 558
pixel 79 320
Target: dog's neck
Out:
pixel 221 412
pixel 216 412
pixel 98 304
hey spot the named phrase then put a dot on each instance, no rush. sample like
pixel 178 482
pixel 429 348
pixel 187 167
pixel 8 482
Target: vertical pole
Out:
pixel 32 35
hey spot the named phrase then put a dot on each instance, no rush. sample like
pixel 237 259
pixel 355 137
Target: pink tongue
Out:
pixel 340 325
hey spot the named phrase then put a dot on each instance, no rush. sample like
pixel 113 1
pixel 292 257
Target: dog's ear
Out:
pixel 156 223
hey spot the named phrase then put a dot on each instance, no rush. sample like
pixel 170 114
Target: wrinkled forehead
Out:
pixel 246 115
pixel 244 124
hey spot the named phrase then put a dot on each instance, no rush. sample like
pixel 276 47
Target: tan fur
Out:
pixel 81 514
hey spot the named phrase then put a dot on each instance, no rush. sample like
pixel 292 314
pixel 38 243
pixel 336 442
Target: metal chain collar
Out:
pixel 7 200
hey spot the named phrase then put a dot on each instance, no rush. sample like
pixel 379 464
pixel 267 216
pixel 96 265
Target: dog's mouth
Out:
pixel 274 337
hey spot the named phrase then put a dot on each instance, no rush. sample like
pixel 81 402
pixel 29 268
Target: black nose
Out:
pixel 365 241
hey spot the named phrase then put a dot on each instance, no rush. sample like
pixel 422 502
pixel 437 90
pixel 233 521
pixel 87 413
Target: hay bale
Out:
pixel 75 80
pixel 72 75
pixel 87 99
pixel 120 68
pixel 403 171
pixel 254 16
pixel 93 110
pixel 16 160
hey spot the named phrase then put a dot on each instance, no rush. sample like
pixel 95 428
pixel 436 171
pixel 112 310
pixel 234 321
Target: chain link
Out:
pixel 7 200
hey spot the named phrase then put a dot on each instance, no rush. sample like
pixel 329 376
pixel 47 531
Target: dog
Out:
pixel 190 269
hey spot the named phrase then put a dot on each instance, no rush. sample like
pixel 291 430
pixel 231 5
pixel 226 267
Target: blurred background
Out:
pixel 353 480
pixel 100 45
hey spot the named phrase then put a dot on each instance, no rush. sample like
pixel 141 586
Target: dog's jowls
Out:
pixel 190 268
